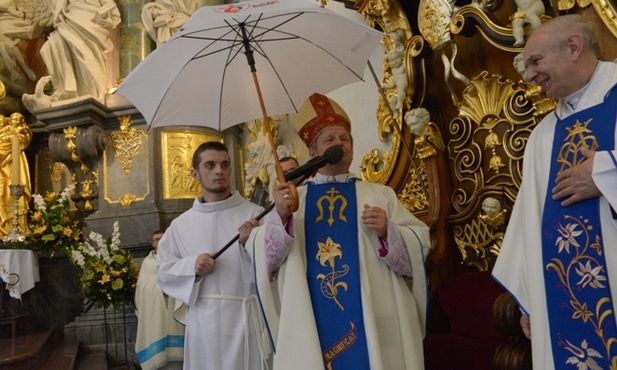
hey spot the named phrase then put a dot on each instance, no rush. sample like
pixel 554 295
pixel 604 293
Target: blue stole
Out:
pixel 333 274
pixel 580 306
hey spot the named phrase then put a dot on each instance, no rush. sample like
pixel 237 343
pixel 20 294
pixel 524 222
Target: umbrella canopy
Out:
pixel 202 77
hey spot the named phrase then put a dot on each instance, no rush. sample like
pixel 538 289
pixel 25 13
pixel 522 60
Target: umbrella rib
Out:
pixel 232 41
pixel 289 36
pixel 257 36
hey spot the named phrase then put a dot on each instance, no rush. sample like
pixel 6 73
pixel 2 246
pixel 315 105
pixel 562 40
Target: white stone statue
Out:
pixel 19 20
pixel 162 18
pixel 38 100
pixel 491 206
pixel 418 120
pixel 260 163
pixel 528 12
pixel 75 52
pixel 493 215
pixel 519 64
pixel 396 58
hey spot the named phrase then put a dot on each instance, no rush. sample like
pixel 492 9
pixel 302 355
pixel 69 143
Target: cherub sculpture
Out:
pixel 528 12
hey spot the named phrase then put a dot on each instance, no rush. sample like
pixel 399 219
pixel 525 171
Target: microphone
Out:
pixel 332 155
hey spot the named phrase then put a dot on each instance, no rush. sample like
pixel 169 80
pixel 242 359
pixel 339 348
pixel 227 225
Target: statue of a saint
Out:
pixel 162 18
pixel 15 125
pixel 75 52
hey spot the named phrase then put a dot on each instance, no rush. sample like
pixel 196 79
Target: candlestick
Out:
pixel 15 235
pixel 16 154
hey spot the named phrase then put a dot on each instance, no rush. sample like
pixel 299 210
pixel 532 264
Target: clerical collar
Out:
pixel 320 178
pixel 202 200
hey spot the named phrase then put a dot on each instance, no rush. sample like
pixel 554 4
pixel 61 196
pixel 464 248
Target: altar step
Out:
pixel 48 351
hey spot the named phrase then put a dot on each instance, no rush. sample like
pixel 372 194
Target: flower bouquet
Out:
pixel 108 273
pixel 51 227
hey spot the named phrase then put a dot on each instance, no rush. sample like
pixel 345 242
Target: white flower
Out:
pixel 39 202
pixel 115 236
pixel 66 193
pixel 78 258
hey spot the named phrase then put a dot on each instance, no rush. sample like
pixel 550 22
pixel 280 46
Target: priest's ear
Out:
pixel 576 45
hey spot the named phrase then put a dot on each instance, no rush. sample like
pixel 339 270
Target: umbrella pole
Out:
pixel 395 124
pixel 280 175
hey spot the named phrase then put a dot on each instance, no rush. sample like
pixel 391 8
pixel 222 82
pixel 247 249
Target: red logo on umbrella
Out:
pixel 236 8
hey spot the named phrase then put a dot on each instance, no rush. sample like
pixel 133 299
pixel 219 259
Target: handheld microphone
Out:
pixel 332 155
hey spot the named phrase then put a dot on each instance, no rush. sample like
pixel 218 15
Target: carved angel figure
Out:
pixel 396 58
pixel 519 64
pixel 417 120
pixel 428 137
pixel 528 12
pixel 493 215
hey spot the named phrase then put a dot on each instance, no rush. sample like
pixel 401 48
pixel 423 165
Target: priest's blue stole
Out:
pixel 333 274
pixel 580 306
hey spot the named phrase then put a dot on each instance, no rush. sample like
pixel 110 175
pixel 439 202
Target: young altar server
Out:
pixel 224 327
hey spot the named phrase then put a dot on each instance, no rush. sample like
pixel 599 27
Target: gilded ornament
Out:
pixel 607 12
pixel 177 147
pixel 127 199
pixel 434 22
pixel 414 196
pixel 569 4
pixel 86 190
pixel 377 167
pixel 126 143
pixel 487 142
pixel 70 134
pixel 485 96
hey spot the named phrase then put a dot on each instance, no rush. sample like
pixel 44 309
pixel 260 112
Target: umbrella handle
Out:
pixel 280 175
pixel 293 196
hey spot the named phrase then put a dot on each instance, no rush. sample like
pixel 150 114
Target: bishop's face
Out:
pixel 214 174
pixel 333 135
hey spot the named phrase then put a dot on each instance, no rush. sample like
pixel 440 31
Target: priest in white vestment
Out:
pixel 159 343
pixel 342 279
pixel 224 327
pixel 562 56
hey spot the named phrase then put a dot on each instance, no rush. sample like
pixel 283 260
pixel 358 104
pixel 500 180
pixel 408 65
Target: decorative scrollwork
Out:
pixel 413 195
pixel 378 167
pixel 487 141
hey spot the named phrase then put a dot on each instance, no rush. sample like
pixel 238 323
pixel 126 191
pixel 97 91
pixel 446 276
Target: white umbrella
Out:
pixel 201 76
